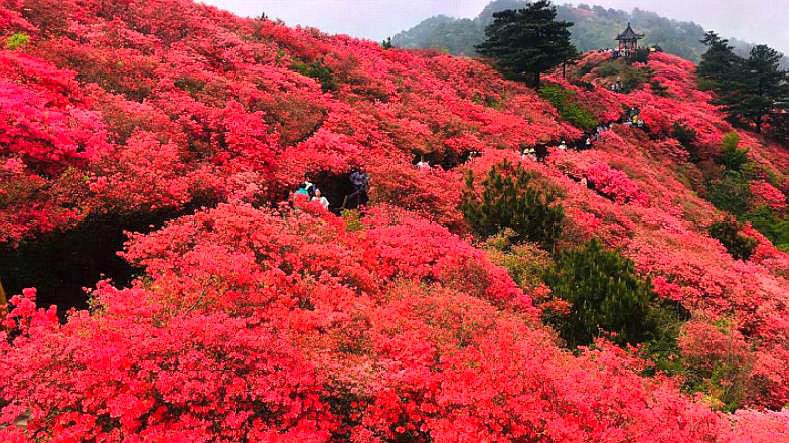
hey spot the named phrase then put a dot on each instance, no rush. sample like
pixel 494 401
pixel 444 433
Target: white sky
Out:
pixel 757 21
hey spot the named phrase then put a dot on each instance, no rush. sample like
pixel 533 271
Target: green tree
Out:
pixel 728 233
pixel 526 42
pixel 512 198
pixel 750 90
pixel 733 157
pixel 731 192
pixel 605 294
pixel 757 89
pixel 718 62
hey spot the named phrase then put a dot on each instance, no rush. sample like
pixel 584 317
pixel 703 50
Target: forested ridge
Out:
pixel 594 27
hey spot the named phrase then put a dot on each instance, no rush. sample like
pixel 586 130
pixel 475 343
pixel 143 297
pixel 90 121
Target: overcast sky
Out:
pixel 758 21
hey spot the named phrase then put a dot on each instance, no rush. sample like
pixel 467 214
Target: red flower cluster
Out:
pixel 289 326
pixel 247 322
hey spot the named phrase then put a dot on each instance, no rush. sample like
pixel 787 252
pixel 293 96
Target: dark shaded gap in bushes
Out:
pixel 60 264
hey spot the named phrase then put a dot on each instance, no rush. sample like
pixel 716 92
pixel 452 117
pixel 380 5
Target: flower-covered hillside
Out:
pixel 210 102
pixel 238 311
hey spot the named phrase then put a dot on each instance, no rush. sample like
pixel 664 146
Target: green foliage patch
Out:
pixel 686 136
pixel 570 110
pixel 771 225
pixel 728 233
pixel 731 192
pixel 630 77
pixel 318 71
pixel 606 296
pixel 16 40
pixel 513 198
pixel 732 157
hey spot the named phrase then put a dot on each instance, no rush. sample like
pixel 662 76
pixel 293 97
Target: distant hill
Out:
pixel 595 27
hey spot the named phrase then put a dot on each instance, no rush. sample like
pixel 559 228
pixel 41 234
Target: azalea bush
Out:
pixel 235 312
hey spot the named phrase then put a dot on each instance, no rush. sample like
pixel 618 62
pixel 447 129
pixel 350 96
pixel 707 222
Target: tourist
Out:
pixel 304 189
pixel 360 183
pixel 423 165
pixel 563 146
pixel 529 154
pixel 318 197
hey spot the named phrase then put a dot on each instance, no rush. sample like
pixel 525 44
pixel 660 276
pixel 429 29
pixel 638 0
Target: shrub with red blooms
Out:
pixel 766 194
pixel 346 359
pixel 186 378
pixel 293 324
pixel 614 184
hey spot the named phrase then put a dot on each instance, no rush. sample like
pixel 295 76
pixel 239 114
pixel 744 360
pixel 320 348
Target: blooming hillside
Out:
pixel 245 318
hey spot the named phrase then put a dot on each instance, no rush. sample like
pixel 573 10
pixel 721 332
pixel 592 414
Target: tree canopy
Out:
pixel 525 42
pixel 751 90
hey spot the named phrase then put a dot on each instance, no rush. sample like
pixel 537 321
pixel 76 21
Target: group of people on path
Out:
pixel 537 153
pixel 424 165
pixel 540 152
pixel 312 193
pixel 359 180
pixel 617 86
pixel 633 118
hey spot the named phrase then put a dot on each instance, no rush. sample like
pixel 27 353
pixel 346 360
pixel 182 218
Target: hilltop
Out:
pixel 236 311
pixel 594 27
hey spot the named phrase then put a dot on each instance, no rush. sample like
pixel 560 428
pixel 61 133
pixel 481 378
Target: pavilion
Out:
pixel 628 41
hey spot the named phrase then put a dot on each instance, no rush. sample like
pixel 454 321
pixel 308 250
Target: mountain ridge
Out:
pixel 595 28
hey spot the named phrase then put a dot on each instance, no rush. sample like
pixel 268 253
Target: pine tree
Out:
pixel 718 62
pixel 511 199
pixel 605 294
pixel 526 42
pixel 750 90
pixel 757 88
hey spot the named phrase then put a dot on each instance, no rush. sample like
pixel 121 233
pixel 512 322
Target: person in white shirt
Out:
pixel 563 146
pixel 423 165
pixel 318 197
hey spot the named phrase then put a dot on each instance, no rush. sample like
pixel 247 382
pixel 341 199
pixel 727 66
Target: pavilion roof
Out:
pixel 629 34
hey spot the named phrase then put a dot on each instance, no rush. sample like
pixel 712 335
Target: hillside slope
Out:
pixel 237 316
pixel 594 27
